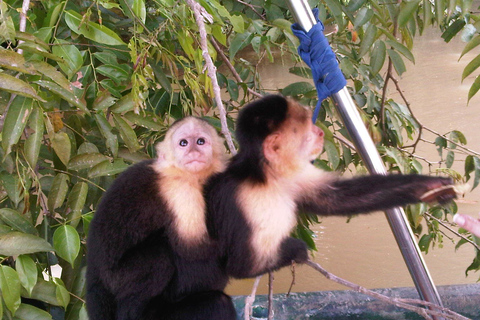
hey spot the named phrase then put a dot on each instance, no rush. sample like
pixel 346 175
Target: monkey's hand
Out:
pixel 293 250
pixel 442 190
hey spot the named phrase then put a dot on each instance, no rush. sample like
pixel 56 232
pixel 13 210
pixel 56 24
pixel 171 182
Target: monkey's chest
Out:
pixel 187 207
pixel 271 216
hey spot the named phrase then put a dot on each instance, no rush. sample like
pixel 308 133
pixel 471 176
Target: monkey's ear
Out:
pixel 271 145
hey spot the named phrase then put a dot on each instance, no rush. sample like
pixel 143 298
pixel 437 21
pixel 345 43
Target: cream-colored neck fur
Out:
pixel 183 194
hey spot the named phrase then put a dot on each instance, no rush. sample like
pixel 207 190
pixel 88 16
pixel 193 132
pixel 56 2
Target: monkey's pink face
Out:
pixel 192 148
pixel 312 142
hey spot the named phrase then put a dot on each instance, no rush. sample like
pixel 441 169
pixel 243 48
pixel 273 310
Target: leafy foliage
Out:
pixel 89 86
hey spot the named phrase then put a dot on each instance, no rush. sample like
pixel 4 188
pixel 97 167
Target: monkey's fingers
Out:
pixel 444 194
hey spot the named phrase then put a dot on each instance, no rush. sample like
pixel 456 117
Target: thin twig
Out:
pixel 199 12
pixel 434 310
pixel 250 299
pixel 270 295
pixel 230 67
pixel 292 269
pixel 452 231
pixel 23 20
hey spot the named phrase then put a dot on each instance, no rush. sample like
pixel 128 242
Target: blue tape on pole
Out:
pixel 318 55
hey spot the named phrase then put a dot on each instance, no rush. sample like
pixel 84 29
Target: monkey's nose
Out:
pixel 319 132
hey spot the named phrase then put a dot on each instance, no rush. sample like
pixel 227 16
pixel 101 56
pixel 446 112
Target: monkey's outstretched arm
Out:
pixel 376 192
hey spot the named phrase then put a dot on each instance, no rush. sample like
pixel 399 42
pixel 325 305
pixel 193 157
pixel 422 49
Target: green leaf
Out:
pixel 401 49
pixel 470 45
pixel 15 61
pixel 15 122
pixel 474 88
pixel 34 140
pixel 368 40
pixel 297 89
pixel 17 86
pixel 92 30
pixel 471 66
pixel 398 63
pixel 337 12
pixel 301 72
pixel 73 59
pixel 85 161
pixel 13 186
pixel 407 12
pixel 29 312
pixel 76 201
pixel 10 287
pixel 58 192
pixel 27 272
pixel 127 133
pixel 453 29
pixel 125 103
pixel 240 41
pixel 134 7
pixel 377 58
pixel 332 153
pixel 66 242
pixel 51 72
pixel 116 73
pixel 107 168
pixel 45 291
pixel 363 16
pixel 150 121
pixel 62 294
pixel 62 146
pixel 17 221
pixel 106 130
pixel 65 94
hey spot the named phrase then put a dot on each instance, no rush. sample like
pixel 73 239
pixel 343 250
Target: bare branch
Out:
pixel 270 295
pixel 434 310
pixel 199 12
pixel 250 299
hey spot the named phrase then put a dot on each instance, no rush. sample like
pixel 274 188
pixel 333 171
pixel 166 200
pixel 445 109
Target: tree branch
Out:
pixel 199 12
pixel 250 299
pixel 434 310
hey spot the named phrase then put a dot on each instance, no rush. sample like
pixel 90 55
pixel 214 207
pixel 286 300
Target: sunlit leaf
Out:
pixel 10 287
pixel 124 104
pixel 471 66
pixel 66 242
pixel 474 88
pixel 470 45
pixel 107 168
pixel 17 86
pixel 16 220
pixel 332 153
pixel 17 243
pixel 148 122
pixel 15 61
pixel 65 94
pixel 27 272
pixel 92 30
pixel 51 72
pixel 85 161
pixel 297 89
pixel 71 56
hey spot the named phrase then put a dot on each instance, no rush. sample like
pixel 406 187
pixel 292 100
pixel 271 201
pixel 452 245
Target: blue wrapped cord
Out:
pixel 315 50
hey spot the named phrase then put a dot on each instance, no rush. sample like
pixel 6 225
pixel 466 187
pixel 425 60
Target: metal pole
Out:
pixel 369 154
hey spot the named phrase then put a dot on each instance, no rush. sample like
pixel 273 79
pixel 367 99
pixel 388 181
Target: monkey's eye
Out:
pixel 183 143
pixel 200 141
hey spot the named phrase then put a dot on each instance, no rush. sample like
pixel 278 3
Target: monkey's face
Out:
pixel 192 147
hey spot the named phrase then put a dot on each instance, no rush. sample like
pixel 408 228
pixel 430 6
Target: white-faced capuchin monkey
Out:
pixel 148 238
pixel 252 206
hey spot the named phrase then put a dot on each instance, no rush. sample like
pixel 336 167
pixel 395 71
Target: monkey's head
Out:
pixel 279 133
pixel 192 146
